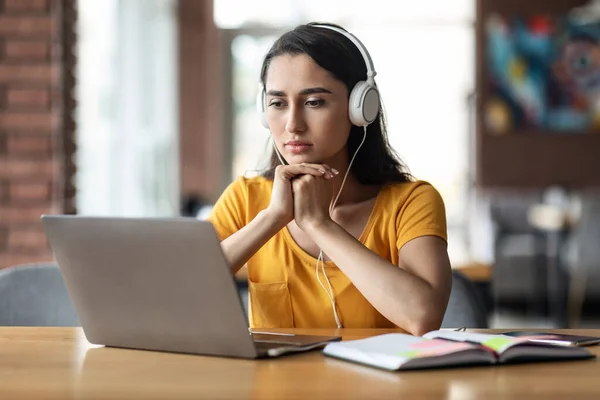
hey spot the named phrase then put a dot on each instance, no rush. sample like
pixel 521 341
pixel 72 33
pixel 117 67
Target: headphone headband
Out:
pixel 363 50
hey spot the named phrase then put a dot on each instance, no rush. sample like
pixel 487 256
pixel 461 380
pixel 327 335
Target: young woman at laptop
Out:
pixel 336 232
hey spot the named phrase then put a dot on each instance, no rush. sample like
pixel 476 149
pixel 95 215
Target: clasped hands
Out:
pixel 302 192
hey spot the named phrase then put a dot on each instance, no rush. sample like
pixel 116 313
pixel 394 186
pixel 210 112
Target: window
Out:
pixel 127 154
pixel 250 142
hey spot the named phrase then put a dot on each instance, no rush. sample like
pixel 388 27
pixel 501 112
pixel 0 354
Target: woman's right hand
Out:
pixel 282 199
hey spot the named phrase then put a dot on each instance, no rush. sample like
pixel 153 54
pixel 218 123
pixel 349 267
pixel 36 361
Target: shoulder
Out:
pixel 251 194
pixel 417 209
pixel 258 184
pixel 239 203
pixel 251 185
pixel 406 193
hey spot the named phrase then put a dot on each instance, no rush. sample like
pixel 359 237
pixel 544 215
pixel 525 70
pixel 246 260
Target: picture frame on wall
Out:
pixel 543 74
pixel 557 145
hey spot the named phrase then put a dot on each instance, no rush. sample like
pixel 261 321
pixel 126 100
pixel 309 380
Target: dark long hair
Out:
pixel 376 163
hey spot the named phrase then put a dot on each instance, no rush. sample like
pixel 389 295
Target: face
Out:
pixel 307 111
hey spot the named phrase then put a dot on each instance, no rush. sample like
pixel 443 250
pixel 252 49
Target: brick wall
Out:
pixel 36 124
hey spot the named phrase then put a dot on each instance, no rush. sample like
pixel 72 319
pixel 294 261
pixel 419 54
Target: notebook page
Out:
pixel 497 343
pixel 393 350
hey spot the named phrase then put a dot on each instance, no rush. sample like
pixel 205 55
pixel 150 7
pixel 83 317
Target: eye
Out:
pixel 276 104
pixel 315 103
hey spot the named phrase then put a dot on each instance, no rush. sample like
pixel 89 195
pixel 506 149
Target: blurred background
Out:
pixel 147 108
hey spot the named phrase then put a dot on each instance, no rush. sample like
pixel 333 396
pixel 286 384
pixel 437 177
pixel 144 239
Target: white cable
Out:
pixel 330 291
pixel 348 170
pixel 277 152
pixel 320 258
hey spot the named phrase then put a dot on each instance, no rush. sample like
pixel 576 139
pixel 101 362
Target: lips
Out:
pixel 297 146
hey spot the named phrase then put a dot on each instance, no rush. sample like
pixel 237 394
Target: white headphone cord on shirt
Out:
pixel 320 258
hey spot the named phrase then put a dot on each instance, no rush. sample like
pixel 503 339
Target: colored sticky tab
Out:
pixel 498 344
pixel 409 354
pixel 433 348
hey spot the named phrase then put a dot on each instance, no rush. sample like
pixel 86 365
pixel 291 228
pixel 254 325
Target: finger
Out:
pixel 331 171
pixel 289 172
pixel 292 171
pixel 302 181
pixel 324 170
pixel 328 172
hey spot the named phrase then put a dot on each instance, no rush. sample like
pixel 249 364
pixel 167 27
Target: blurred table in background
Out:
pixel 476 272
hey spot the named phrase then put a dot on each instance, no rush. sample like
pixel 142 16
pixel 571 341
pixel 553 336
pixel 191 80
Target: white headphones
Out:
pixel 363 105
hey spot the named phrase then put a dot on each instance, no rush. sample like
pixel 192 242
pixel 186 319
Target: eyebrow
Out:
pixel 313 90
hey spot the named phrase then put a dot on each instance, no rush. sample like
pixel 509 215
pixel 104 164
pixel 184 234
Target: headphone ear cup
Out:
pixel 363 105
pixel 261 107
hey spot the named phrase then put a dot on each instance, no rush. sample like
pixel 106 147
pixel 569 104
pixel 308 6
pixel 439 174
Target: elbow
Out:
pixel 419 328
pixel 429 313
pixel 427 319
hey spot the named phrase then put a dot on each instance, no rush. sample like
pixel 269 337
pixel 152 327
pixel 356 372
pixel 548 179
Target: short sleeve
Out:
pixel 230 211
pixel 422 214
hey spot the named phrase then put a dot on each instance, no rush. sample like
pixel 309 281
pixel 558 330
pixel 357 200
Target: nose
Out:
pixel 295 120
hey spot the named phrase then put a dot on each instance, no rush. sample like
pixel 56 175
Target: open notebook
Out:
pixel 396 351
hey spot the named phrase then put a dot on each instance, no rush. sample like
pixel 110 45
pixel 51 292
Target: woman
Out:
pixel 336 232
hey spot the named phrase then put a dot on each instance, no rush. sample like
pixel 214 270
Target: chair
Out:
pixel 582 258
pixel 35 295
pixel 466 306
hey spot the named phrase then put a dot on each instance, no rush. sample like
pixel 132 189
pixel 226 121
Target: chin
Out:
pixel 299 159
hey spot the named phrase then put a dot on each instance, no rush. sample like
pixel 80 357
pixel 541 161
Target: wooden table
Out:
pixel 476 272
pixel 58 363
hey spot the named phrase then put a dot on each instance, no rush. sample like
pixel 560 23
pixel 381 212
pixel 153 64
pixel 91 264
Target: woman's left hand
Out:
pixel 312 198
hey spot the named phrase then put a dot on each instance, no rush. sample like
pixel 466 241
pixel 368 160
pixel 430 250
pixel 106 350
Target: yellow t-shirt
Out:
pixel 283 288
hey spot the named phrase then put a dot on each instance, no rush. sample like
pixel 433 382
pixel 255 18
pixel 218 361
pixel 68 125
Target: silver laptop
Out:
pixel 158 284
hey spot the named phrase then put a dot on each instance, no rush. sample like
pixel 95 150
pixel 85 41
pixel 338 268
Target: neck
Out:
pixel 352 191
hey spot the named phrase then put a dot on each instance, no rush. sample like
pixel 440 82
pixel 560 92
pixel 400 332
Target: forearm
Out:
pixel 405 299
pixel 239 247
